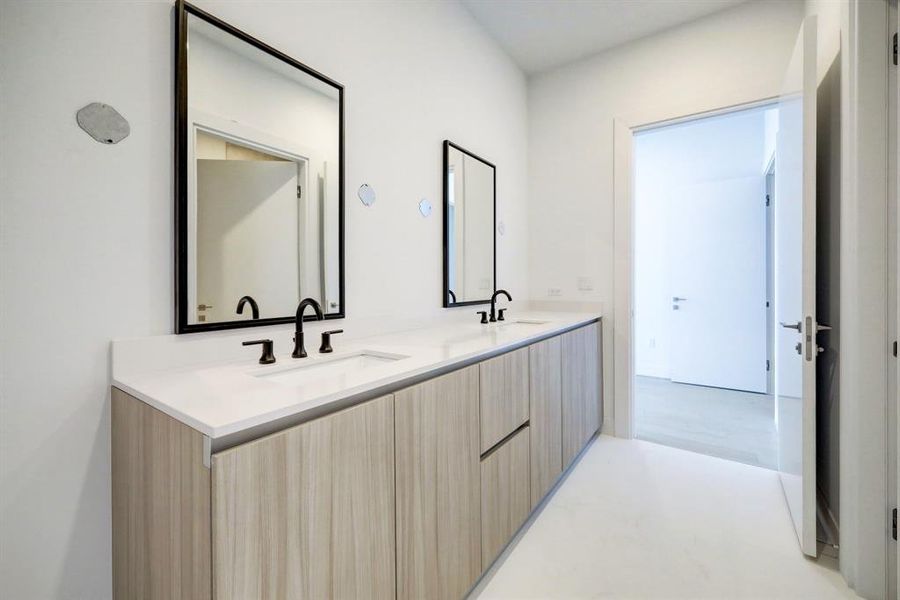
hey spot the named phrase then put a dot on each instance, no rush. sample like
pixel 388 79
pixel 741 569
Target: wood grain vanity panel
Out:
pixel 308 512
pixel 505 494
pixel 504 396
pixel 580 389
pixel 545 425
pixel 160 505
pixel 363 500
pixel 438 487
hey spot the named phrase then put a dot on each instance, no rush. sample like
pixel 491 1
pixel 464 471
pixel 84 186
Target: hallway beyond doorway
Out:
pixel 729 424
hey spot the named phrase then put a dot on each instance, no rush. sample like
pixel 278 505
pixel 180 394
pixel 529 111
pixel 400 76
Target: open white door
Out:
pixel 795 286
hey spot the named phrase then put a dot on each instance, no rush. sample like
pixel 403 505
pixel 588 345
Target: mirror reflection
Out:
pixel 263 183
pixel 469 213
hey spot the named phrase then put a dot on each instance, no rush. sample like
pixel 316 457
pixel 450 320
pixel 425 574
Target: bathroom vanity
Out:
pixel 396 465
pixel 400 466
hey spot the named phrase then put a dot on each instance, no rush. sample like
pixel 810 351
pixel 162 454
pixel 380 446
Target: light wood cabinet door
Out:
pixel 545 423
pixel 438 487
pixel 308 512
pixel 160 505
pixel 580 389
pixel 505 494
pixel 504 396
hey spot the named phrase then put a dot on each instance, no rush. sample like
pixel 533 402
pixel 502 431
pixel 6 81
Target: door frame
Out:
pixel 204 122
pixel 893 556
pixel 770 276
pixel 865 512
pixel 624 128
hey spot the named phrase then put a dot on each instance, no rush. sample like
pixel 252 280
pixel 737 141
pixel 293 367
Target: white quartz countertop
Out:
pixel 226 397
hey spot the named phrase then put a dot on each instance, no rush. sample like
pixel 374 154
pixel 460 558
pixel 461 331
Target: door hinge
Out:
pixel 768 366
pixel 894 525
pixel 895 348
pixel 895 49
pixel 299 192
pixel 767 199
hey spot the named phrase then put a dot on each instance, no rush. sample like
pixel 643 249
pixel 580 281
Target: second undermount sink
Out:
pixel 315 369
pixel 524 322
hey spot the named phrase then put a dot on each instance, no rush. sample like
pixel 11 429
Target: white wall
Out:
pixel 729 58
pixel 665 159
pixel 86 229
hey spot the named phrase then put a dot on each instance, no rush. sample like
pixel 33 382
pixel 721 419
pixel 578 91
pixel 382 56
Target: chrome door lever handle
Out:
pixel 820 327
pixel 791 326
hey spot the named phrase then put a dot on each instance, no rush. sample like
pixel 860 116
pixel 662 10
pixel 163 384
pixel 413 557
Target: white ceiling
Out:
pixel 542 34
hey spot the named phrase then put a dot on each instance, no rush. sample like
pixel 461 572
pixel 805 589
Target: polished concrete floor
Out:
pixel 729 424
pixel 640 520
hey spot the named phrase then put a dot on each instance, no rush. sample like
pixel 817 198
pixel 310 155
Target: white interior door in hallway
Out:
pixel 796 347
pixel 718 267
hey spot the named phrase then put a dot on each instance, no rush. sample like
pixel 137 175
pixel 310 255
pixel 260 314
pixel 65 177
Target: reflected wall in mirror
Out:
pixel 470 264
pixel 259 190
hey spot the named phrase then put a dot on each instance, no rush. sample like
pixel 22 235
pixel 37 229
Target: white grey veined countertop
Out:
pixel 226 397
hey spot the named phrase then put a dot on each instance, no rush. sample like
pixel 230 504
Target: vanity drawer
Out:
pixel 505 494
pixel 504 396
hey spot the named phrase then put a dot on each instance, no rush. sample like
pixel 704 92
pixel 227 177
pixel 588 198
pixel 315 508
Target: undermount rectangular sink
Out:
pixel 315 369
pixel 526 322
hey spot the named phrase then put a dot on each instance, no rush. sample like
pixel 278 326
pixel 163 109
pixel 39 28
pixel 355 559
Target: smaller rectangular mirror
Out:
pixel 470 263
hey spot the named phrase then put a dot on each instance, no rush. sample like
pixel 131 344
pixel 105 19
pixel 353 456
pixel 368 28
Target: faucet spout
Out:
pixel 494 304
pixel 299 349
pixel 254 307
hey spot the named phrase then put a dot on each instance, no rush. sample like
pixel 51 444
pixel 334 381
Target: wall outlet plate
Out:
pixel 553 292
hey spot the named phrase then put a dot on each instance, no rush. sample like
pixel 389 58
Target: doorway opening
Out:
pixel 704 285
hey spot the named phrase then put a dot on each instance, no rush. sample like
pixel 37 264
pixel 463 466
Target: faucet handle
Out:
pixel 268 356
pixel 483 314
pixel 500 316
pixel 325 348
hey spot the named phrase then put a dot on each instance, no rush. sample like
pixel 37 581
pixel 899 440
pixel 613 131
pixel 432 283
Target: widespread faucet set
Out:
pixel 494 316
pixel 268 346
pixel 268 354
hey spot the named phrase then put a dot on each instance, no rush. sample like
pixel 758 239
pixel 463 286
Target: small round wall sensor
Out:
pixel 425 207
pixel 366 194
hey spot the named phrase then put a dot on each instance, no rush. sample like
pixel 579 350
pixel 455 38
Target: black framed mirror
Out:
pixel 470 215
pixel 259 180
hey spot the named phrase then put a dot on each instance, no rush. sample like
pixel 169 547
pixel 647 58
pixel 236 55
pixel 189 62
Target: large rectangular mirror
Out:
pixel 470 264
pixel 259 181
